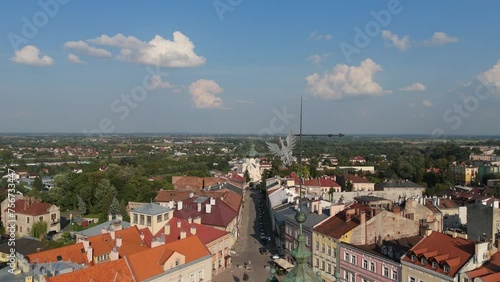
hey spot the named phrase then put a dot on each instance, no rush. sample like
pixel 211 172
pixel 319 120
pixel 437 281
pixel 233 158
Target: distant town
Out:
pixel 212 208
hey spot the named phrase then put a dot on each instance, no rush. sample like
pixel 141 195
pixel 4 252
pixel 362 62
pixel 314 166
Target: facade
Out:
pixel 358 183
pixel 27 211
pixel 483 222
pixel 488 272
pixel 374 262
pixel 424 213
pixel 151 216
pixel 465 175
pixel 439 257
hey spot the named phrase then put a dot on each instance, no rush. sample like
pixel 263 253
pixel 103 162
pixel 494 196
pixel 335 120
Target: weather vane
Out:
pixel 284 152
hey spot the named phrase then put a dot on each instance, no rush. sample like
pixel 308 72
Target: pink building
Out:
pixel 375 262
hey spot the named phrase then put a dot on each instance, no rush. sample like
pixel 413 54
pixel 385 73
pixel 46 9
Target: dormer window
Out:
pixel 413 257
pixel 434 265
pixel 446 269
pixel 423 261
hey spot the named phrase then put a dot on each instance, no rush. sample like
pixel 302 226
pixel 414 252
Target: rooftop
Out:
pixel 151 209
pixel 205 233
pixel 117 270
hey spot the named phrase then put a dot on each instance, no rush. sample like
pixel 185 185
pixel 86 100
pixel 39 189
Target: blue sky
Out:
pixel 235 66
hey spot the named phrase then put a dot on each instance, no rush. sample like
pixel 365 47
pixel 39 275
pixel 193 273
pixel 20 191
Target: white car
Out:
pixel 276 256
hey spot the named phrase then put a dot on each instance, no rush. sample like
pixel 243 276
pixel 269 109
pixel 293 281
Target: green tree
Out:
pixel 114 207
pixel 330 193
pixel 38 229
pixel 105 193
pixel 82 207
pixel 349 186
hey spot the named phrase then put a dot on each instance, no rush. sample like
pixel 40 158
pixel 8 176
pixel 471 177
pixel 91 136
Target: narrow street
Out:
pixel 247 247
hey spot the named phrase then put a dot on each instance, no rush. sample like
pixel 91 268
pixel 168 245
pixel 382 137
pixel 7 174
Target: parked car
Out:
pixel 276 256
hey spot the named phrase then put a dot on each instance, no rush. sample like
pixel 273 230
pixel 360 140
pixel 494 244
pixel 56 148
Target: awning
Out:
pixel 283 263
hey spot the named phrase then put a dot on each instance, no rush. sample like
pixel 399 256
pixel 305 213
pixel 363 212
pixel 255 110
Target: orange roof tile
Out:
pixel 30 206
pixel 71 253
pixel 117 271
pixel 205 233
pixel 460 251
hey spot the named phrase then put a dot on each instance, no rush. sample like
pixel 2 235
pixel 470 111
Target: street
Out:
pixel 247 246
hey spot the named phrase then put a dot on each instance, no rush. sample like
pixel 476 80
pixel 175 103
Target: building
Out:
pixel 405 189
pixel 374 262
pixel 215 240
pixel 422 211
pixel 357 160
pixel 488 272
pixel 314 215
pixel 28 211
pixel 321 186
pixel 374 202
pixel 464 175
pixel 151 216
pixel 483 222
pixel 358 183
pixel 440 257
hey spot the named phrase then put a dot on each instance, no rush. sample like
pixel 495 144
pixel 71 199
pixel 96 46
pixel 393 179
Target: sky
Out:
pixel 241 66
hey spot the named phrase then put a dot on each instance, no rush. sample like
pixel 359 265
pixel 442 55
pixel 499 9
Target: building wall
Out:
pixel 421 274
pixel 364 186
pixel 357 267
pixel 482 219
pixel 420 213
pixel 219 249
pixel 451 218
pixel 157 221
pixel 197 269
pixel 384 226
pixel 24 223
pixel 394 195
pixel 324 249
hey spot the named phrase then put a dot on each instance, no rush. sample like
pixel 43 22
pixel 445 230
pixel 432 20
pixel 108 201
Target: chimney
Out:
pixel 112 233
pixel 197 220
pixel 90 253
pixel 320 210
pixel 198 207
pixel 428 232
pixel 183 234
pixel 212 201
pixel 118 241
pixel 119 217
pixel 110 217
pixel 114 255
pixel 362 217
pixel 193 230
pixel 362 225
pixel 104 231
pixel 191 195
pixel 178 224
pixel 190 220
pixel 167 229
pixel 208 208
pixel 179 205
pixel 396 210
pixel 171 204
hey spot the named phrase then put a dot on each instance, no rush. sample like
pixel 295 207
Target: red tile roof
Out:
pixel 150 262
pixel 117 271
pixel 221 214
pixel 31 206
pixel 489 271
pixel 443 249
pixel 71 253
pixel 205 233
pixel 342 222
pixel 231 198
pixel 357 179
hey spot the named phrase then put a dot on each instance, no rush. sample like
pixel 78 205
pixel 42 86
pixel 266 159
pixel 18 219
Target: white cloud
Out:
pixel 492 77
pixel 30 55
pixel 427 103
pixel 345 81
pixel 162 52
pixel 119 40
pixel 317 59
pixel 75 59
pixel 84 48
pixel 316 35
pixel 417 86
pixel 440 38
pixel 203 94
pixel 157 83
pixel 393 40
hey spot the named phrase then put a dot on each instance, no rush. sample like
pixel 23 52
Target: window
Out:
pixel 329 250
pixel 446 269
pixel 423 261
pixel 353 259
pixel 434 265
pixel 412 279
pixel 27 220
pixel 323 248
pixel 372 266
pixel 40 218
pixel 317 262
pixel 346 256
pixel 317 245
pixel 385 271
pixel 329 268
pixel 334 252
pixel 165 216
pixel 141 220
pixel 322 265
pixel 135 219
pixel 307 241
pixel 148 220
pixel 466 279
pixel 158 218
pixel 191 277
pixel 365 264
pixel 395 275
pixel 413 257
pixel 200 274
